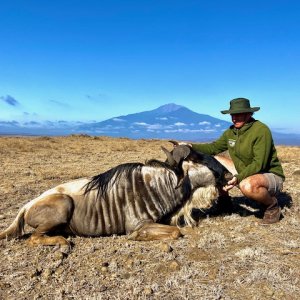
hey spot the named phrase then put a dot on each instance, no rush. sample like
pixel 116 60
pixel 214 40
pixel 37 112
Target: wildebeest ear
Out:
pixel 181 152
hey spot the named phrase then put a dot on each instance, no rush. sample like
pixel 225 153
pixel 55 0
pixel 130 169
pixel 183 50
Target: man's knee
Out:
pixel 246 186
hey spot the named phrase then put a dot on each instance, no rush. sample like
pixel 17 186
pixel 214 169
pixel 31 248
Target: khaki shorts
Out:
pixel 275 183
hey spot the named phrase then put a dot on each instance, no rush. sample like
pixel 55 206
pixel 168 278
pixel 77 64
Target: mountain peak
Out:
pixel 170 107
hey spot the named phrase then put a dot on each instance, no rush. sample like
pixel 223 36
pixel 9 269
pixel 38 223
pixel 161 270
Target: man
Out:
pixel 254 162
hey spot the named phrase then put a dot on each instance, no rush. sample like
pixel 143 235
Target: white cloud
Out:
pixel 141 123
pixel 155 126
pixel 189 130
pixel 111 127
pixel 163 118
pixel 118 120
pixel 204 123
pixel 149 126
pixel 179 124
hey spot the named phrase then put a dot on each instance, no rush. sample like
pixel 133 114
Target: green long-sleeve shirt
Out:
pixel 251 149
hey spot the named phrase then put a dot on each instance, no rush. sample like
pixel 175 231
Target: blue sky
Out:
pixel 93 60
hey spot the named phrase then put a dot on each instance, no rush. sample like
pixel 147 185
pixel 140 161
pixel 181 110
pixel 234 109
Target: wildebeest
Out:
pixel 131 198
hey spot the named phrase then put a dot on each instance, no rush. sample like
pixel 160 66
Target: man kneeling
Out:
pixel 254 162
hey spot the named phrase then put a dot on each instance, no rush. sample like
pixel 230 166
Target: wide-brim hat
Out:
pixel 240 105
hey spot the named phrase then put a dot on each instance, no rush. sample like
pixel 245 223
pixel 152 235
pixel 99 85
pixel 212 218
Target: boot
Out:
pixel 272 214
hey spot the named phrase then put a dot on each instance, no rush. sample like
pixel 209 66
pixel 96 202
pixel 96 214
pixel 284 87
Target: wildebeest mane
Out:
pixel 158 163
pixel 100 182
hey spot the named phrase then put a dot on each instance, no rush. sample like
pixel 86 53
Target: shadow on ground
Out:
pixel 241 206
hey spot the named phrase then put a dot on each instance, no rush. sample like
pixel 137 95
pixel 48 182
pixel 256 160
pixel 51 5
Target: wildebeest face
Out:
pixel 199 174
pixel 206 164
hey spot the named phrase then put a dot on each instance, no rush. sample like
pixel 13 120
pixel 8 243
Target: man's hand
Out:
pixel 230 184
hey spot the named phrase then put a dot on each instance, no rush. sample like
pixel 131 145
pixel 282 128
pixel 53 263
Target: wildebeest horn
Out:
pixel 170 158
pixel 175 143
pixel 181 152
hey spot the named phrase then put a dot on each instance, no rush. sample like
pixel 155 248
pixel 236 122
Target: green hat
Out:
pixel 240 105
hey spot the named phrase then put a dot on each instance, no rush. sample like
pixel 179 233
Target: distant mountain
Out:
pixel 170 121
pixel 167 121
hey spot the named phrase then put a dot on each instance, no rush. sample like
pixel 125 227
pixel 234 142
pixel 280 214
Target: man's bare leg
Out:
pixel 255 187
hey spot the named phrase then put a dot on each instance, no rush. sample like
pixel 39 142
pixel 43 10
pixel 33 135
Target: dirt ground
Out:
pixel 224 257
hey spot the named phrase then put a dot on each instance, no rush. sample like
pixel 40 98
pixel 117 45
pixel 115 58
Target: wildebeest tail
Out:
pixel 16 229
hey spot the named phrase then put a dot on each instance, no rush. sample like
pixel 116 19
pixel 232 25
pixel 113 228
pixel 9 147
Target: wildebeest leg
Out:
pixel 46 215
pixel 227 163
pixel 39 238
pixel 155 231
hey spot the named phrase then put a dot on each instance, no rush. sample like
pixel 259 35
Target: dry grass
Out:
pixel 225 257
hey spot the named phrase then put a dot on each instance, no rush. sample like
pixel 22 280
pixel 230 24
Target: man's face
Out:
pixel 239 120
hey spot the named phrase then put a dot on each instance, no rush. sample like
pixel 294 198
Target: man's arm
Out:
pixel 213 148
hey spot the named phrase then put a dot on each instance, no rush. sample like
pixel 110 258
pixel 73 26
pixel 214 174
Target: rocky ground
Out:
pixel 224 257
